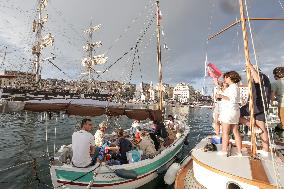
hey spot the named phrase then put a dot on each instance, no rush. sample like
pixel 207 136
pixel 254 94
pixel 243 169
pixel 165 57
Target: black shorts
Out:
pixel 259 116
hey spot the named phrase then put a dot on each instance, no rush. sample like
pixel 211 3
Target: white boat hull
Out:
pixel 211 170
pixel 67 176
pixel 129 184
pixel 215 180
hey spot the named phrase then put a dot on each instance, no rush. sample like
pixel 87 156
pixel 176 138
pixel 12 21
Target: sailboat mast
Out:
pixel 38 39
pixel 4 57
pixel 249 78
pixel 41 41
pixel 159 55
pixel 90 53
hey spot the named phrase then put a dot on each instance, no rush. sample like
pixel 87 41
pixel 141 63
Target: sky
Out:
pixel 185 25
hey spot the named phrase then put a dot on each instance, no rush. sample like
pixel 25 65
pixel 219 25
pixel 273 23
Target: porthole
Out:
pixel 233 185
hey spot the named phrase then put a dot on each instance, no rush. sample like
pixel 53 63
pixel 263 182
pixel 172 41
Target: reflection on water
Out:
pixel 23 139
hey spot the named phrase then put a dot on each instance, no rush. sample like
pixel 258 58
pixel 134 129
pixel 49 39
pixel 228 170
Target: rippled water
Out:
pixel 23 139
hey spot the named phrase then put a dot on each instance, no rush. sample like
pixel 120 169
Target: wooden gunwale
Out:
pixel 260 184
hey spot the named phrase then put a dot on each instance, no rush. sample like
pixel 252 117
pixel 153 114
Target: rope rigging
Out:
pixel 148 7
pixel 204 89
pixel 135 47
pixel 263 96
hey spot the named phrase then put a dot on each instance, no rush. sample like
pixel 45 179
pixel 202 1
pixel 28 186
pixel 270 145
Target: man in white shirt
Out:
pixel 83 145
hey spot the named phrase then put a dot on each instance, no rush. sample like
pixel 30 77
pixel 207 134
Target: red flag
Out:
pixel 213 71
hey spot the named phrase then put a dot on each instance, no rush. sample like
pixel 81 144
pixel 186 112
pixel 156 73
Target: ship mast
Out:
pixel 40 42
pixel 4 57
pixel 158 14
pixel 90 61
pixel 249 78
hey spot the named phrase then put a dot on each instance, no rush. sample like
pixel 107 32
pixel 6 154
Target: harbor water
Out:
pixel 28 141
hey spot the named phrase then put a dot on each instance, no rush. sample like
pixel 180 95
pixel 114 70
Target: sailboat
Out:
pixel 205 169
pixel 132 175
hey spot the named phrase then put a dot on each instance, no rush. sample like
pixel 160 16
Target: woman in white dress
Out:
pixel 230 111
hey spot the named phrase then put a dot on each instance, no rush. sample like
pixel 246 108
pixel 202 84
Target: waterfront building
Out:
pixel 243 93
pixel 181 93
pixel 7 80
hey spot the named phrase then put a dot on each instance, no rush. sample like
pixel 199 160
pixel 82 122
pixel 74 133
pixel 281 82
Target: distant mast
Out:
pixel 159 56
pixel 90 61
pixel 40 42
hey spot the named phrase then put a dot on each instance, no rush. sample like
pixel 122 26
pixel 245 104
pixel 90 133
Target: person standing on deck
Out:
pixel 278 92
pixel 259 80
pixel 219 88
pixel 83 145
pixel 230 111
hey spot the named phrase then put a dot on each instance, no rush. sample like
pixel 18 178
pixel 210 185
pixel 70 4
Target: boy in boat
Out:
pixel 83 145
pixel 261 90
pixel 122 145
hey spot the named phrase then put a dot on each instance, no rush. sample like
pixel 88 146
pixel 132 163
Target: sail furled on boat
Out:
pixel 88 107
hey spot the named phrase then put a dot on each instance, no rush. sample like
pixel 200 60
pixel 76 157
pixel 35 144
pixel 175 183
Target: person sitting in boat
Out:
pixel 138 135
pixel 278 92
pixel 260 85
pixel 135 124
pixel 147 145
pixel 156 131
pixel 172 124
pixel 83 145
pixel 122 145
pixel 230 111
pixel 100 134
pixel 172 129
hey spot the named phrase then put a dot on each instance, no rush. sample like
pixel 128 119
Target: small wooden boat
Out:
pixel 210 170
pixel 251 170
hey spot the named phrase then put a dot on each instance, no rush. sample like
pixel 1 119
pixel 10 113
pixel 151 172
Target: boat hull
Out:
pixel 67 176
pixel 211 170
pixel 127 184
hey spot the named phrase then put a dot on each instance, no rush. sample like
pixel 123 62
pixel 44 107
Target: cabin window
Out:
pixel 233 185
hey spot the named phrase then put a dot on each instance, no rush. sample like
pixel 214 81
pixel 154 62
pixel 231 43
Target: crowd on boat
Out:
pixel 229 113
pixel 125 146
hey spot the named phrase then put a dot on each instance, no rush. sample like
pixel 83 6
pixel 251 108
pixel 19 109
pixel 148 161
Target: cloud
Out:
pixel 186 28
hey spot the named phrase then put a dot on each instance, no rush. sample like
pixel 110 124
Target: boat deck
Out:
pixel 244 169
pixel 185 178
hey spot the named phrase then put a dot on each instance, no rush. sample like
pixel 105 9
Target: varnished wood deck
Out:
pixel 185 178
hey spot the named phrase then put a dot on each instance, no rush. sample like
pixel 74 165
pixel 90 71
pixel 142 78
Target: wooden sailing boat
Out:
pixel 208 170
pixel 65 175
